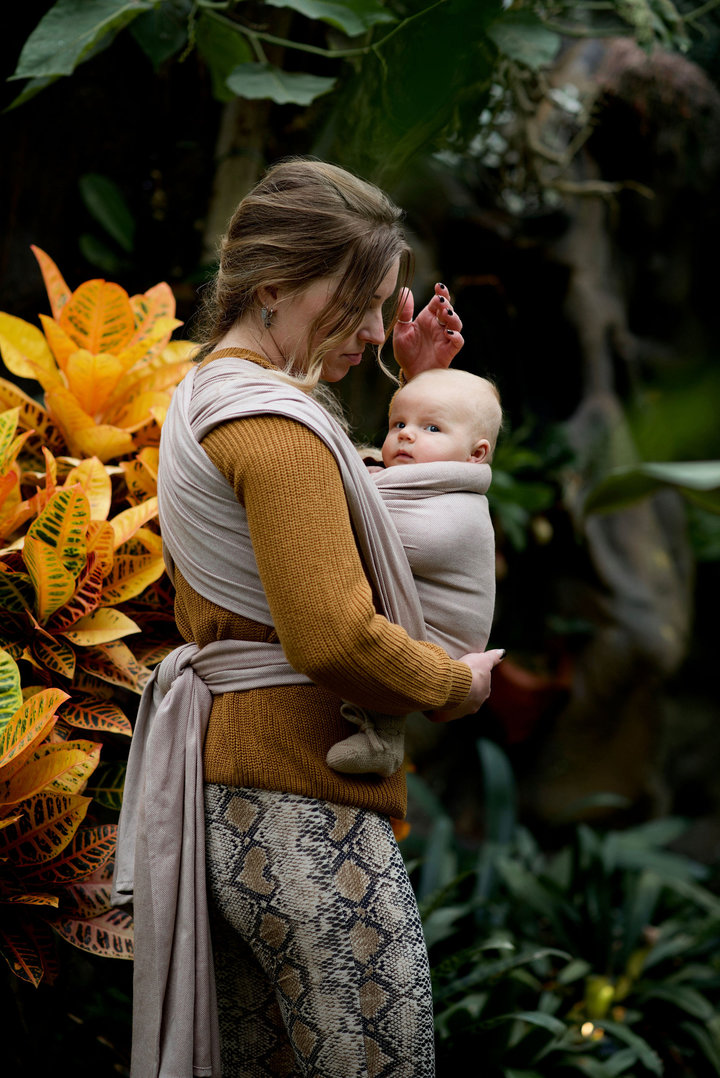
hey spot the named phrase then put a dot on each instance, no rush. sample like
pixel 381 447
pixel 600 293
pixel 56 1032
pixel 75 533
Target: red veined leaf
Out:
pixel 92 687
pixel 101 716
pixel 32 721
pixel 109 935
pixel 28 947
pixel 88 594
pixel 86 899
pixel 18 897
pixel 58 292
pixel 98 316
pixel 115 663
pixel 45 829
pixel 90 850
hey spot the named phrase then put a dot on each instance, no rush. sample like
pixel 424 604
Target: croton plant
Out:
pixel 86 608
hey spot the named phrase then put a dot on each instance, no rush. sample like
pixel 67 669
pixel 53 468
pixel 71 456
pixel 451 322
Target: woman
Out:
pixel 320 963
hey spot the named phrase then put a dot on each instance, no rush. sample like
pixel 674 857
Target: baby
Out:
pixel 445 423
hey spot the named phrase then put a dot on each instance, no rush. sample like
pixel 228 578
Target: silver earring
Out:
pixel 267 314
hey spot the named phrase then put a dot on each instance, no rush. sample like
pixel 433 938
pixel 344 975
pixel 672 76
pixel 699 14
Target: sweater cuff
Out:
pixel 460 684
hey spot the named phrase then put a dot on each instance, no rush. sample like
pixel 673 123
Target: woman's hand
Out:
pixel 430 340
pixel 481 664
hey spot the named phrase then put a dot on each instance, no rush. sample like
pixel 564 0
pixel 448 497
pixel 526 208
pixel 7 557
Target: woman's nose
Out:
pixel 373 328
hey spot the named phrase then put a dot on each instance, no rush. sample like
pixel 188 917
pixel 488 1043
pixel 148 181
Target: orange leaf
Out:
pixel 61 344
pixel 86 598
pixel 87 855
pixel 60 768
pixel 53 654
pixel 142 410
pixel 130 576
pixel 157 302
pixel 84 437
pixel 32 415
pixel 58 292
pixel 25 351
pixel 45 829
pixel 101 543
pixel 92 376
pixel 125 524
pixel 95 482
pixel 33 721
pixel 114 663
pixel 99 317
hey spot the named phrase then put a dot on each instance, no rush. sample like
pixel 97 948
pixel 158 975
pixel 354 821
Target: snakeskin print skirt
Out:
pixel 320 962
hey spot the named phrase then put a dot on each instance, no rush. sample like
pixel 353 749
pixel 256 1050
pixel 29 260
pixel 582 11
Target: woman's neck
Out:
pixel 252 339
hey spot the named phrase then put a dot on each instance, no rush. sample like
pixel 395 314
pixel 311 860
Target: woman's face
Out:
pixel 304 308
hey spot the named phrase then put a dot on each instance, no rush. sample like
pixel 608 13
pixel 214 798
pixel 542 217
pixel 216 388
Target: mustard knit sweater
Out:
pixel 322 607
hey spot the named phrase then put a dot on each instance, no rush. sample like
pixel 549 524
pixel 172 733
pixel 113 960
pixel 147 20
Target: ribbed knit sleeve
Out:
pixel 319 596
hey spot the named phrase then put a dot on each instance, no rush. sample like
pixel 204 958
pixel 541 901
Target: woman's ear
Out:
pixel 481 452
pixel 267 295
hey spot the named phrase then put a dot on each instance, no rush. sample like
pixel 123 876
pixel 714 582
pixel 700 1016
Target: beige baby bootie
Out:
pixel 378 747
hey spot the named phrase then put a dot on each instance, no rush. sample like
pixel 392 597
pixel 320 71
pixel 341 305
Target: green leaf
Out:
pixel 521 36
pixel 106 202
pixel 31 88
pixel 69 31
pixel 534 1018
pixel 647 1056
pixel 107 785
pixel 353 17
pixel 223 48
pixel 100 254
pixel 259 81
pixel 499 793
pixel 162 32
pixel 684 997
pixel 697 480
pixel 10 691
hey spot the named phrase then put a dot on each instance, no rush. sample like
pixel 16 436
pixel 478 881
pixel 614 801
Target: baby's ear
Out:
pixel 481 452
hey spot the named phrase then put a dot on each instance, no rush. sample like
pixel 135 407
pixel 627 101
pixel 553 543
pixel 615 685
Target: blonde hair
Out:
pixel 303 221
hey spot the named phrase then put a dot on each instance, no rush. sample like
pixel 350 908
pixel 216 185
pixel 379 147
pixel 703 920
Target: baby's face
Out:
pixel 427 425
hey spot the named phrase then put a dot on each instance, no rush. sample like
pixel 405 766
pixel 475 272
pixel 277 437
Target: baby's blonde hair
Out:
pixel 481 400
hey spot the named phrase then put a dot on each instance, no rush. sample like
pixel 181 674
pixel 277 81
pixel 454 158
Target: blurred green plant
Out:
pixel 599 959
pixel 526 469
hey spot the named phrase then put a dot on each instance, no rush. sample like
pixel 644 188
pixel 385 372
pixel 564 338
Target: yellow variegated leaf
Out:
pixel 8 820
pixel 86 857
pixel 125 524
pixel 100 627
pixel 115 663
pixel 55 549
pixel 142 411
pixel 10 691
pixel 29 898
pixel 152 343
pixel 149 376
pixel 58 292
pixel 141 482
pixel 52 653
pixel 32 415
pixel 61 343
pixel 95 482
pixel 91 377
pixel 8 426
pixel 98 316
pixel 157 302
pixel 25 351
pixel 130 576
pixel 101 543
pixel 45 828
pixel 63 768
pixel 33 720
pixel 83 436
pixel 150 540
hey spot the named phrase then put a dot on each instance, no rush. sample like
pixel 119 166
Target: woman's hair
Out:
pixel 306 220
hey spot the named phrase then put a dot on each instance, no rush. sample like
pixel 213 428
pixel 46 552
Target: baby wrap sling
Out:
pixel 442 517
pixel 161 867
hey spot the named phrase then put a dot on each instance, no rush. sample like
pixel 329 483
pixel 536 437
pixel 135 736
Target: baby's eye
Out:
pixel 433 428
pixel 398 424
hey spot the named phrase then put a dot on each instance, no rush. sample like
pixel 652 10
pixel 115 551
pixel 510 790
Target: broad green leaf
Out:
pixel 353 17
pixel 697 480
pixel 88 853
pixel 44 830
pixel 222 47
pixel 258 81
pixel 533 1018
pixel 101 255
pixel 162 32
pixel 109 935
pixel 647 1055
pixel 107 204
pixel 57 290
pixel 10 691
pixel 685 998
pixel 31 88
pixel 521 36
pixel 101 716
pixel 100 627
pixel 69 31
